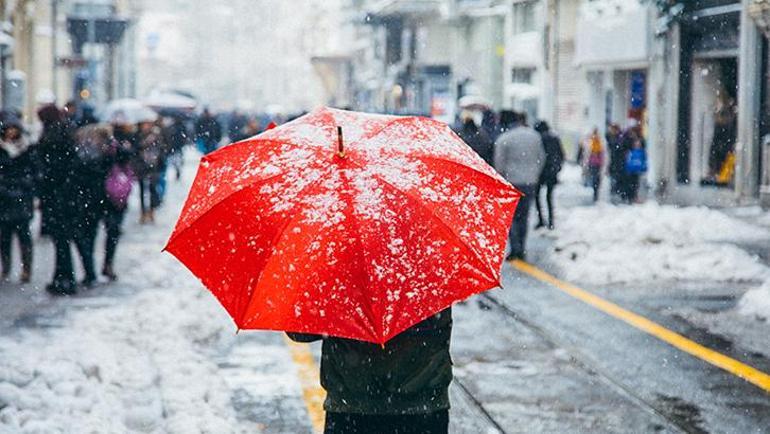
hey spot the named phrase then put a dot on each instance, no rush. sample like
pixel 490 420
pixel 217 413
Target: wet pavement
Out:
pixel 528 358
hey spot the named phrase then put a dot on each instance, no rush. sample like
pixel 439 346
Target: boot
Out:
pixel 26 275
pixel 151 216
pixel 144 218
pixel 61 288
pixel 26 264
pixel 109 272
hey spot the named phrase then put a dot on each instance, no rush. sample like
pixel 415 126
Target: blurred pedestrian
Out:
pixel 554 158
pixel 520 158
pixel 595 162
pixel 490 125
pixel 176 137
pixel 476 138
pixel 148 162
pixel 617 151
pixel 56 152
pixel 208 132
pixel 636 165
pixel 117 185
pixel 92 143
pixel 18 173
pixel 400 387
pixel 236 126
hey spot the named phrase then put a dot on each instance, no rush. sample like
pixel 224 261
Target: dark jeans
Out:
pixel 517 236
pixel 24 235
pixel 85 239
pixel 113 221
pixel 549 187
pixel 149 196
pixel 632 187
pixel 63 271
pixel 347 423
pixel 596 180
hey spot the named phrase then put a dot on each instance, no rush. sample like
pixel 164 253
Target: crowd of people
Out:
pixel 80 172
pixel 531 158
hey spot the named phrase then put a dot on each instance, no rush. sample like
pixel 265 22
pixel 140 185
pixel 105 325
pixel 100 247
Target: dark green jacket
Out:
pixel 411 375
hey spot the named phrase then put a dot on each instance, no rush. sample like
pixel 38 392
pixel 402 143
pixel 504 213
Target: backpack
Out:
pixel 118 185
pixel 636 162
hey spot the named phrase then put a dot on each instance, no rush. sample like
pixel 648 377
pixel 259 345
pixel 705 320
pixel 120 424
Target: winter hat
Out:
pixel 49 114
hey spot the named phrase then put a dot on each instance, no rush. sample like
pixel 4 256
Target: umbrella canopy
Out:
pixel 171 101
pixel 474 102
pixel 127 111
pixel 345 224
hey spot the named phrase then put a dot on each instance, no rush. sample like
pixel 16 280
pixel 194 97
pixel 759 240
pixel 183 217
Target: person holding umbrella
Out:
pixel 365 244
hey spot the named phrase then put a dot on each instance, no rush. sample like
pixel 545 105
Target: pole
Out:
pixel 54 43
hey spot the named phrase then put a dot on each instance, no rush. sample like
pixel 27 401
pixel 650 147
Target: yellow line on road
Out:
pixel 312 392
pixel 748 373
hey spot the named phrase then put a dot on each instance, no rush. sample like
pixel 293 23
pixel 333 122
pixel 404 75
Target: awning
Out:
pixel 612 33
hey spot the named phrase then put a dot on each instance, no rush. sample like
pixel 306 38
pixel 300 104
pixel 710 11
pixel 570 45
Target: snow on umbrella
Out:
pixel 127 111
pixel 345 224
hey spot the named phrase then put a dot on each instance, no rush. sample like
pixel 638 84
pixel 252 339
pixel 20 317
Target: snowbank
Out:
pixel 756 303
pixel 614 244
pixel 136 367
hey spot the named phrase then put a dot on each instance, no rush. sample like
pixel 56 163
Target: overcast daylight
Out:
pixel 384 216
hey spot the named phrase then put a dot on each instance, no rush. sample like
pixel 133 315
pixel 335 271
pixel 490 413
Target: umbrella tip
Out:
pixel 237 330
pixel 340 143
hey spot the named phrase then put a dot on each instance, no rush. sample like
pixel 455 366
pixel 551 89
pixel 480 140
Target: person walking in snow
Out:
pixel 148 162
pixel 476 138
pixel 554 158
pixel 208 132
pixel 635 167
pixel 595 162
pixel 520 158
pixel 56 150
pixel 400 387
pixel 18 173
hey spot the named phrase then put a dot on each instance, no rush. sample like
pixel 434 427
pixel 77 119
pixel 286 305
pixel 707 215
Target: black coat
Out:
pixel 554 158
pixel 17 186
pixel 479 141
pixel 409 375
pixel 56 159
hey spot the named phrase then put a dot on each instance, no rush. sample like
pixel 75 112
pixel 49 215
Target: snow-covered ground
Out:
pixel 619 244
pixel 613 244
pixel 140 355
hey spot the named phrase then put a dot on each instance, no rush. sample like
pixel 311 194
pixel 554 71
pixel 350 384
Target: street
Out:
pixel 154 352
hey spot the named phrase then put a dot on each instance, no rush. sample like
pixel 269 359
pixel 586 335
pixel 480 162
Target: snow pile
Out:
pixel 139 366
pixel 756 303
pixel 614 244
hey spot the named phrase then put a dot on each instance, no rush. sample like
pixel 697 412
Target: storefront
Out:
pixel 612 47
pixel 708 94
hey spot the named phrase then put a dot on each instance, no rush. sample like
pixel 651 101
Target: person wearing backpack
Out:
pixel 636 165
pixel 117 186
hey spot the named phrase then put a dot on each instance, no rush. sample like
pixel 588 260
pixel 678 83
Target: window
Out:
pixel 522 75
pixel 524 17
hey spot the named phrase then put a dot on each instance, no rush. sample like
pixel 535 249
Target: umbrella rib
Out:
pixel 277 239
pixel 177 234
pixel 367 263
pixel 472 169
pixel 441 222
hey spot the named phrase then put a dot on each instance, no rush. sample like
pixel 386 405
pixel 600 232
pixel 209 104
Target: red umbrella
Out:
pixel 345 224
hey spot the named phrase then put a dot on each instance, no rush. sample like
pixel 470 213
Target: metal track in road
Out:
pixel 585 363
pixel 479 406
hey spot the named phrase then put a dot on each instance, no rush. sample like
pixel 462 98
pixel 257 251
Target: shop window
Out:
pixel 524 17
pixel 522 75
